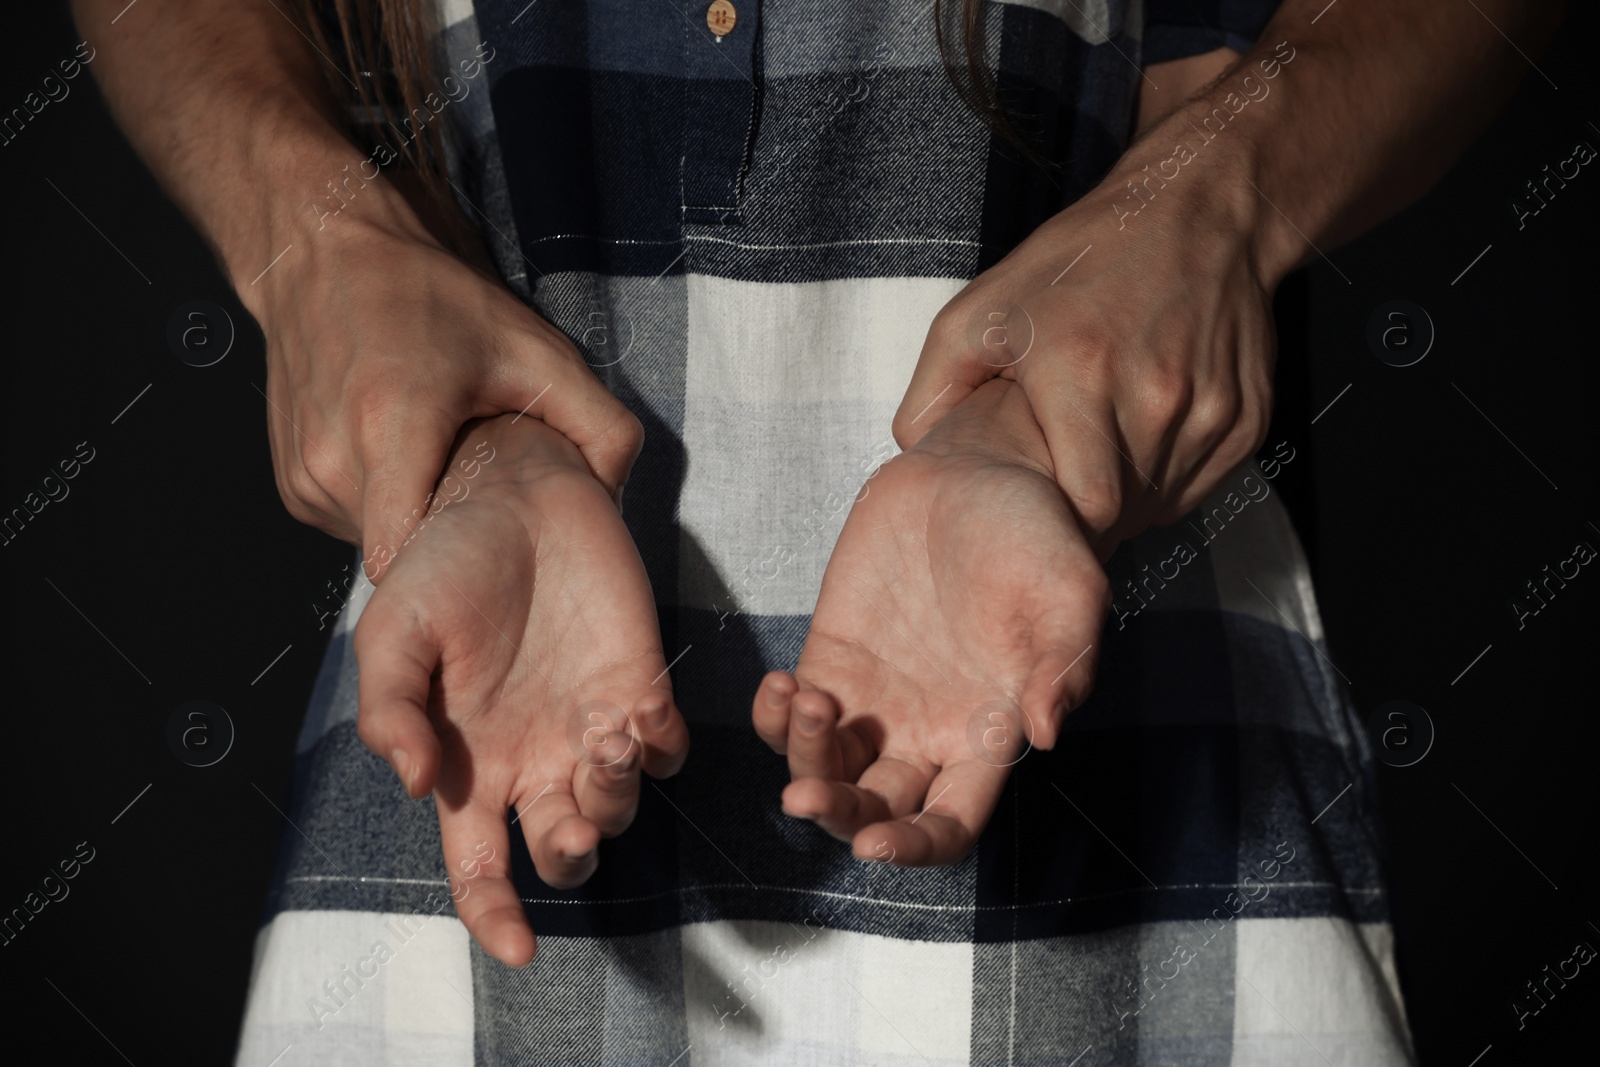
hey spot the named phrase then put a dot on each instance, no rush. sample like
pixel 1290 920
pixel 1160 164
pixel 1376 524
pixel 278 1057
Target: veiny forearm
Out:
pixel 1377 103
pixel 224 101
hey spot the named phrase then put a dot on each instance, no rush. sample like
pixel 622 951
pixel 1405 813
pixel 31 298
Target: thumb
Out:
pixel 1067 643
pixel 962 351
pixel 1061 680
pixel 401 474
pixel 395 661
pixel 566 396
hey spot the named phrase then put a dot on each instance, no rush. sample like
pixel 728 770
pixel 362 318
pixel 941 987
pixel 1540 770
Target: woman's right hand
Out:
pixel 381 344
pixel 513 662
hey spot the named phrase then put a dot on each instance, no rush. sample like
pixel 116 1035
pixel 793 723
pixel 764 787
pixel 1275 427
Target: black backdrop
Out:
pixel 170 572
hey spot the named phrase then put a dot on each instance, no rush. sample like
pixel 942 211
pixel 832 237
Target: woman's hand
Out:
pixel 956 625
pixel 380 346
pixel 1142 336
pixel 512 660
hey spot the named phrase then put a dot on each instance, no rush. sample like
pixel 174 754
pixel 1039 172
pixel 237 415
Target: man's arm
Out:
pixel 381 340
pixel 1152 371
pixel 1175 81
pixel 226 105
pixel 1376 103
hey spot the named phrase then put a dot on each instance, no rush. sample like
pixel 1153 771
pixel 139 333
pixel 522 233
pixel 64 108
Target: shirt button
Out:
pixel 720 17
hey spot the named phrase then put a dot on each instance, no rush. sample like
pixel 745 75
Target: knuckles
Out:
pixel 947 332
pixel 1166 398
pixel 618 444
pixel 301 498
pixel 1248 431
pixel 1217 416
pixel 379 402
pixel 1090 353
pixel 629 433
pixel 1098 587
pixel 317 472
pixel 902 429
pixel 1099 504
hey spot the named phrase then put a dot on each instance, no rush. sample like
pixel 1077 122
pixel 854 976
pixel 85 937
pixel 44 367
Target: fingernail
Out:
pixel 775 697
pixel 654 713
pixel 809 722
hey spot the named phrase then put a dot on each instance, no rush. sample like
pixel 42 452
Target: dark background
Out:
pixel 171 572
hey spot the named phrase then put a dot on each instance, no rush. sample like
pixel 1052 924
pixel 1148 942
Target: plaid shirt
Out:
pixel 748 237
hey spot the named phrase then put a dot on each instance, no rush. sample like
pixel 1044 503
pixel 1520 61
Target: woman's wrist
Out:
pixel 512 447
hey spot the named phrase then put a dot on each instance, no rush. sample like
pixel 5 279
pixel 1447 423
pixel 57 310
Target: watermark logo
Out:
pixel 1400 333
pixel 200 333
pixel 604 337
pixel 199 733
pixel 1007 337
pixel 1401 732
pixel 1000 733
pixel 593 733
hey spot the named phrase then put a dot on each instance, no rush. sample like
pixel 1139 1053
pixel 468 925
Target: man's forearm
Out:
pixel 1373 104
pixel 225 103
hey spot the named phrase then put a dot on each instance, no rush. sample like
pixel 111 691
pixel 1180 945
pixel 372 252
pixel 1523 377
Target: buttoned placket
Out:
pixel 721 70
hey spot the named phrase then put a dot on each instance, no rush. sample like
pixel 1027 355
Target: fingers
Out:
pixel 396 659
pixel 959 802
pixel 606 781
pixel 1235 443
pixel 769 709
pixel 562 842
pixel 818 746
pixel 813 744
pixel 477 855
pixel 889 788
pixel 607 790
pixel 565 394
pixel 304 499
pixel 663 735
pixel 947 372
pixel 403 463
pixel 838 807
pixel 1087 455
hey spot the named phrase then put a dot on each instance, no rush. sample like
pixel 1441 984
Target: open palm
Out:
pixel 511 659
pixel 955 626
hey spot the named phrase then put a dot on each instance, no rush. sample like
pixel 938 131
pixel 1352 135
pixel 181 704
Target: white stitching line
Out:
pixel 1016 891
pixel 737 244
pixel 607 240
pixel 838 244
pixel 387 881
pixel 958 908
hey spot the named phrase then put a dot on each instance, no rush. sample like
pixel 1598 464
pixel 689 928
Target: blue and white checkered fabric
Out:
pixel 749 238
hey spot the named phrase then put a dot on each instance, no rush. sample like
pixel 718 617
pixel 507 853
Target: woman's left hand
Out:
pixel 1142 336
pixel 955 628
